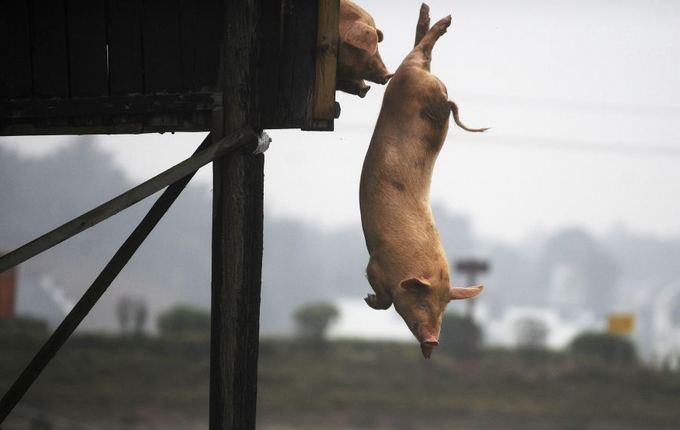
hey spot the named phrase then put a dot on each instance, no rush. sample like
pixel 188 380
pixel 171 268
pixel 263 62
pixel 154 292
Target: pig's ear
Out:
pixel 458 293
pixel 416 284
pixel 362 36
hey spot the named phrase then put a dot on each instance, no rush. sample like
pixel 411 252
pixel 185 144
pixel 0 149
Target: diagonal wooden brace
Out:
pixel 205 153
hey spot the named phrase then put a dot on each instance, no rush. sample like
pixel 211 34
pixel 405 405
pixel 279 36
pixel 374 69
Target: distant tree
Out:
pixel 461 335
pixel 314 319
pixel 141 313
pixel 184 321
pixel 132 314
pixel 531 333
pixel 124 313
pixel 608 348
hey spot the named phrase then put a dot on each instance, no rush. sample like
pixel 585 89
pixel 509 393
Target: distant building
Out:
pixel 665 326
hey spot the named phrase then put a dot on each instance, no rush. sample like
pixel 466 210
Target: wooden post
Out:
pixel 238 181
pixel 237 261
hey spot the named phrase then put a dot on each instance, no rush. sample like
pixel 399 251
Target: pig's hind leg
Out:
pixel 456 118
pixel 424 47
pixel 423 23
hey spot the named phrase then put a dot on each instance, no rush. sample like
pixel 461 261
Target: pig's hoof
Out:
pixel 373 301
pixel 443 24
pixel 362 91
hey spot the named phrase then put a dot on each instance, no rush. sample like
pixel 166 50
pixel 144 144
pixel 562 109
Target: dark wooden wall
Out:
pixel 134 66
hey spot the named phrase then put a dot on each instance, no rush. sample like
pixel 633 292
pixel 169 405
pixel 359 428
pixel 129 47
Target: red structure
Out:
pixel 8 287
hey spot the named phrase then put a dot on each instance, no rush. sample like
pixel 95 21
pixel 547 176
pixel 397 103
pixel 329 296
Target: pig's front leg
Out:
pixel 376 301
pixel 353 86
pixel 382 298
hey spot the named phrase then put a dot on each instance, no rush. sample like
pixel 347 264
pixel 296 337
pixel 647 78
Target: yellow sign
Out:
pixel 620 323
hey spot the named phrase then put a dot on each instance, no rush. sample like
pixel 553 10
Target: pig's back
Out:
pixel 395 179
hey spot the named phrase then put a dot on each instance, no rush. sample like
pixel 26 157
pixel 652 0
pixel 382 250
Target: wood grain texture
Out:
pixel 238 181
pixel 322 107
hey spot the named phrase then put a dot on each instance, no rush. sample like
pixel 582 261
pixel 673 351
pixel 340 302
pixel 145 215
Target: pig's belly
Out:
pixel 395 224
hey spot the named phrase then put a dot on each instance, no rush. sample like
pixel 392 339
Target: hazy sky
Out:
pixel 583 98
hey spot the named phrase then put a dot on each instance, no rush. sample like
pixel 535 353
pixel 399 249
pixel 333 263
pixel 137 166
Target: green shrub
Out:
pixel 313 320
pixel 184 321
pixel 608 348
pixel 460 335
pixel 22 327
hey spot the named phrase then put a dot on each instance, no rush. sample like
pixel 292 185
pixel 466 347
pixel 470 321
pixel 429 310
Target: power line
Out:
pixel 583 105
pixel 578 145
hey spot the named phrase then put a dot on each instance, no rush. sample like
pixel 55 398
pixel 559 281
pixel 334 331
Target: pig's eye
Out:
pixel 380 35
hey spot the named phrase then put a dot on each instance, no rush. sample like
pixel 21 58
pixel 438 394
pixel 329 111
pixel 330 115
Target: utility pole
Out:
pixel 471 268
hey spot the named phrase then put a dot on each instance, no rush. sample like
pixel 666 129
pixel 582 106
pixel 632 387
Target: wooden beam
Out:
pixel 103 106
pixel 236 282
pixel 109 115
pixel 322 110
pixel 205 153
pixel 90 298
pixel 237 232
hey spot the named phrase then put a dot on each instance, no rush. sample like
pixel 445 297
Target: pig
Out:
pixel 358 56
pixel 408 266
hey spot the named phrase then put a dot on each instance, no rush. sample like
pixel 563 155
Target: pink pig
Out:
pixel 408 266
pixel 358 56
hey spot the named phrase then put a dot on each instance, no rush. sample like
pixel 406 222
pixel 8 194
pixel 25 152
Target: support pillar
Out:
pixel 236 280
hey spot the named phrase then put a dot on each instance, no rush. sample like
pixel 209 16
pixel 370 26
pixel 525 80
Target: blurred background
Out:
pixel 566 210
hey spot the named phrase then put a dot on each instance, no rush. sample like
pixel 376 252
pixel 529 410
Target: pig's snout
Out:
pixel 427 346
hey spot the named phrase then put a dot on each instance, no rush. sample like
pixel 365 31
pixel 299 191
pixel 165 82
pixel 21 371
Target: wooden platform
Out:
pixel 140 66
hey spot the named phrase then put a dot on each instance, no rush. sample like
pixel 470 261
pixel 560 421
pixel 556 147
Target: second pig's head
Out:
pixel 421 302
pixel 358 56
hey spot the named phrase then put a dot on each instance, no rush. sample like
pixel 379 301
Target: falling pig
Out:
pixel 358 56
pixel 408 266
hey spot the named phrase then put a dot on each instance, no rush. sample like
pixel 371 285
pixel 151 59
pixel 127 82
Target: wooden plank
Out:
pixel 87 47
pixel 117 124
pixel 161 36
pixel 15 51
pixel 99 106
pixel 126 124
pixel 322 107
pixel 209 150
pixel 286 64
pixel 303 73
pixel 126 67
pixel 201 33
pixel 270 55
pixel 49 50
pixel 91 296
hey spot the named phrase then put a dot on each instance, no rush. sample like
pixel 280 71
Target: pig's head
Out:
pixel 421 302
pixel 358 56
